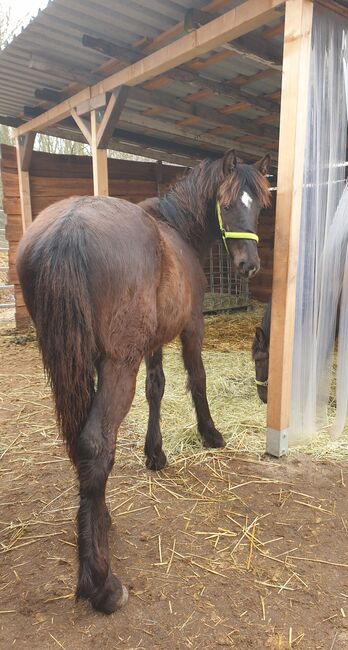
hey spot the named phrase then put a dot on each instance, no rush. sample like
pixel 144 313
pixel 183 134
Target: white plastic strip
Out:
pixel 324 233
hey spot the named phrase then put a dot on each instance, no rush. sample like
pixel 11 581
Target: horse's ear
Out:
pixel 229 162
pixel 264 164
pixel 260 338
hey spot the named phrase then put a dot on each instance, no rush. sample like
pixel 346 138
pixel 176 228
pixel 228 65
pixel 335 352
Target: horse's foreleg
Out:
pixel 155 382
pixel 96 451
pixel 192 338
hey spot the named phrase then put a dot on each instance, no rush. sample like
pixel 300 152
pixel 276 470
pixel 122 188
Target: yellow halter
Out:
pixel 233 235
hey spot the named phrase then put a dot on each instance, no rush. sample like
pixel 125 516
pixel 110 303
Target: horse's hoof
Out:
pixel 124 598
pixel 157 462
pixel 110 597
pixel 214 440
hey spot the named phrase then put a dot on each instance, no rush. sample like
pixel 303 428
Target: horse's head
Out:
pixel 260 351
pixel 242 194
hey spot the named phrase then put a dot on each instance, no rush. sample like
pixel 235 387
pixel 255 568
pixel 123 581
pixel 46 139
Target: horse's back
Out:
pixel 115 236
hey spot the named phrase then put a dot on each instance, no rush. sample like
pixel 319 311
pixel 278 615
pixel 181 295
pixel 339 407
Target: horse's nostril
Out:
pixel 247 269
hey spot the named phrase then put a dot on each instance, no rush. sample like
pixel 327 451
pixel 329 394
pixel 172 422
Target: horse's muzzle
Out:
pixel 247 269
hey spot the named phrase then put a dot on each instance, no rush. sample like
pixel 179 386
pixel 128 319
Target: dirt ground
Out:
pixel 218 550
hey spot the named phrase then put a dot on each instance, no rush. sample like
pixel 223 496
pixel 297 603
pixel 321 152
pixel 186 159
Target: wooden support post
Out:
pixel 159 177
pixel 24 148
pixel 293 123
pixel 100 161
pixel 98 134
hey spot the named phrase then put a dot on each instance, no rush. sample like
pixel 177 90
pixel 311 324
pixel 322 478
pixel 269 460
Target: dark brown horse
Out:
pixel 260 350
pixel 108 283
pixel 260 353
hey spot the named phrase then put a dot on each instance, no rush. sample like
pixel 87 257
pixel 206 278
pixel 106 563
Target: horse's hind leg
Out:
pixel 155 382
pixel 191 339
pixel 95 458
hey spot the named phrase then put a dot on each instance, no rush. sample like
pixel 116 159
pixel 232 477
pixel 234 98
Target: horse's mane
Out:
pixel 245 176
pixel 186 203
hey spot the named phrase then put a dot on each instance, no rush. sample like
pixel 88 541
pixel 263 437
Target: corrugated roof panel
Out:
pixel 55 37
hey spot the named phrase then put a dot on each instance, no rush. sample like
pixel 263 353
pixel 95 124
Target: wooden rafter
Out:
pixel 244 80
pixel 62 70
pixel 184 75
pixel 175 31
pixel 188 109
pixel 250 47
pixel 206 139
pixel 49 95
pixel 233 24
pixel 158 144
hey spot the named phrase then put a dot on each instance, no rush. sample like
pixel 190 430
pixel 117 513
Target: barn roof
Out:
pixel 227 97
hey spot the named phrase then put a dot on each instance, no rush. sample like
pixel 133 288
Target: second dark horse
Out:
pixel 108 283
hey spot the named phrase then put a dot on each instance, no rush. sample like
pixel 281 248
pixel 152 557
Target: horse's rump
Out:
pixel 90 294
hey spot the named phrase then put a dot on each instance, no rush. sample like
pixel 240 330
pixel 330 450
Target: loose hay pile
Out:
pixel 219 301
pixel 219 550
pixel 234 403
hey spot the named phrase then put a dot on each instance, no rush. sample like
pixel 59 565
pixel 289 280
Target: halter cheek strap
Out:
pixel 226 234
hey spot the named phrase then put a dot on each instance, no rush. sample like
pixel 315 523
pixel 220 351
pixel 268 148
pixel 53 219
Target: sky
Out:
pixel 20 10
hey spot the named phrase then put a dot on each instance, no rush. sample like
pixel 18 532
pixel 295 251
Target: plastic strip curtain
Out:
pixel 322 278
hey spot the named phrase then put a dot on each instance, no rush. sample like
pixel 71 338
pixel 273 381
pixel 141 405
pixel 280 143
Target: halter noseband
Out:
pixel 226 234
pixel 261 383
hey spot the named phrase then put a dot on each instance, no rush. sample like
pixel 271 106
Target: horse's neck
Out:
pixel 199 238
pixel 211 232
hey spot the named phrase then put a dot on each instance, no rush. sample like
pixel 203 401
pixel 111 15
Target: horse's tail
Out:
pixel 62 312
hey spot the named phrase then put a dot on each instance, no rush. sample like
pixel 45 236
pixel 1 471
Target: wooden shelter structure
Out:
pixel 178 80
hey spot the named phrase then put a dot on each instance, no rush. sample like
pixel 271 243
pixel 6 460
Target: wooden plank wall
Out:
pixel 54 177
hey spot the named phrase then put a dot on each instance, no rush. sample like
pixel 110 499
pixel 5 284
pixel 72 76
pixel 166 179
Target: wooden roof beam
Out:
pixel 254 56
pixel 221 141
pixel 250 47
pixel 131 54
pixel 49 95
pixel 112 50
pixel 233 24
pixel 62 70
pixel 225 88
pixel 160 98
pixel 156 143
